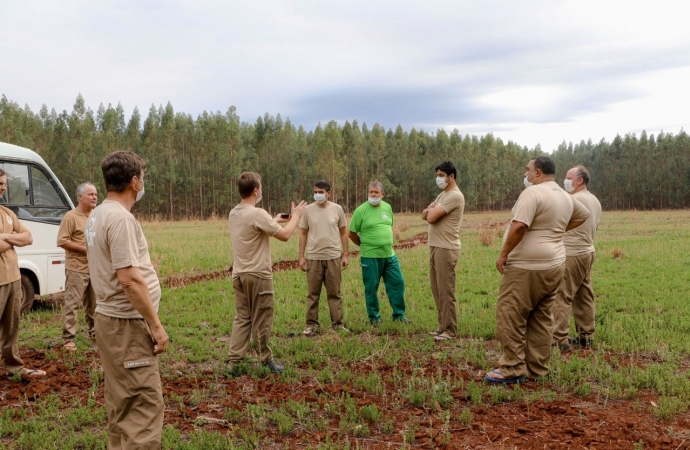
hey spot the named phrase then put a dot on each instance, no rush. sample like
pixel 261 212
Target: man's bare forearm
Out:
pixel 19 239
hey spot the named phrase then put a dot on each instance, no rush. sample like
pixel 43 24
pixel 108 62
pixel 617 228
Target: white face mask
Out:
pixel 141 192
pixel 526 182
pixel 568 185
pixel 375 200
pixel 441 182
pixel 258 199
pixel 319 198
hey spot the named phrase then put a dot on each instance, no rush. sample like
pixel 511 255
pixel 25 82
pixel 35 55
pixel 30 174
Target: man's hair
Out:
pixel 583 173
pixel 2 173
pixel 118 169
pixel 247 182
pixel 323 184
pixel 377 184
pixel 80 188
pixel 546 164
pixel 448 168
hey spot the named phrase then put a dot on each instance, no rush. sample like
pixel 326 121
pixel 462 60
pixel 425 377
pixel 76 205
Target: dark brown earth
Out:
pixel 568 421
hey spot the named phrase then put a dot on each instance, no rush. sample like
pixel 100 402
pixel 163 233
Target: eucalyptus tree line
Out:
pixel 193 162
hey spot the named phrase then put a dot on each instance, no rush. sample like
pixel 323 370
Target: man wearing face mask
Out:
pixel 371 228
pixel 444 216
pixel 129 333
pixel 532 262
pixel 252 272
pixel 576 288
pixel 323 231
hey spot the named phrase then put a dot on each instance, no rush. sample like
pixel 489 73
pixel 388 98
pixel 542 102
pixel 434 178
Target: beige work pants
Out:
pixel 442 262
pixel 524 320
pixel 324 273
pixel 78 294
pixel 253 319
pixel 576 293
pixel 133 394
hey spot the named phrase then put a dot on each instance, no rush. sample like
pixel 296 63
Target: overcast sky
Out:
pixel 535 72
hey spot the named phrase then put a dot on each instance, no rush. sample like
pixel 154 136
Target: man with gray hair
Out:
pixel 576 288
pixel 371 228
pixel 78 289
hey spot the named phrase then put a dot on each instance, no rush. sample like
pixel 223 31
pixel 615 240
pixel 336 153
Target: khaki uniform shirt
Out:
pixel 72 230
pixel 250 230
pixel 115 240
pixel 445 232
pixel 9 264
pixel 580 240
pixel 546 209
pixel 323 225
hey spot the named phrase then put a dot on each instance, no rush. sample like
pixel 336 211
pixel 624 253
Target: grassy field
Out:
pixel 641 281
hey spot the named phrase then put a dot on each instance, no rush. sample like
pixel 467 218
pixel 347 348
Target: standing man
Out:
pixel 78 289
pixel 324 230
pixel 576 290
pixel 252 273
pixel 532 262
pixel 12 234
pixel 371 228
pixel 129 333
pixel 445 217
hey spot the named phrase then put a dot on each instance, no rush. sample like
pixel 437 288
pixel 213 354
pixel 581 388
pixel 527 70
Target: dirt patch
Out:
pixel 212 403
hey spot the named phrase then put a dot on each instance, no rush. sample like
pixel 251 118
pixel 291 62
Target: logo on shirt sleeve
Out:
pixel 89 234
pixel 9 220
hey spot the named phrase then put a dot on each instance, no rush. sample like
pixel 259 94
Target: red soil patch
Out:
pixel 567 422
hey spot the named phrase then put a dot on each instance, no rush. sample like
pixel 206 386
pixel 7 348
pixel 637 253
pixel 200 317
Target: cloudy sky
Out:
pixel 535 72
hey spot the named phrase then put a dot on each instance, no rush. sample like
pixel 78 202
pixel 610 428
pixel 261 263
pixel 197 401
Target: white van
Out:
pixel 39 201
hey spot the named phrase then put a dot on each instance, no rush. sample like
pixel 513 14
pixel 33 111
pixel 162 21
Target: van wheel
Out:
pixel 28 293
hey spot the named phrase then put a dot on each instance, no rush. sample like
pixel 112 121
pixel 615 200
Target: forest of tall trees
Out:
pixel 192 163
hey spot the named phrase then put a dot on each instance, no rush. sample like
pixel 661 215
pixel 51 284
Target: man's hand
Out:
pixel 346 260
pixel 501 263
pixel 299 209
pixel 160 339
pixel 280 219
pixel 303 264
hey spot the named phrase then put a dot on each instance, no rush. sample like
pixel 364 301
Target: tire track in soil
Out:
pixel 182 281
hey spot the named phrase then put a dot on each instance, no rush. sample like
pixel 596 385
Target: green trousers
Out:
pixel 388 268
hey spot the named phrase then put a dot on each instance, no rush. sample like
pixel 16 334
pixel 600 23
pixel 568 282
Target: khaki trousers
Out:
pixel 133 395
pixel 253 319
pixel 78 293
pixel 442 262
pixel 10 308
pixel 327 273
pixel 576 292
pixel 524 320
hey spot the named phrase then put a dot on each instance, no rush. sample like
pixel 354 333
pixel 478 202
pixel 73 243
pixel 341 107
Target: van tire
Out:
pixel 28 293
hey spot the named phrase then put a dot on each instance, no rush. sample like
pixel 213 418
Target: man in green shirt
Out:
pixel 371 228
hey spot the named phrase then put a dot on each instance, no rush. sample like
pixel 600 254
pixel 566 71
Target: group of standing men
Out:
pixel 546 261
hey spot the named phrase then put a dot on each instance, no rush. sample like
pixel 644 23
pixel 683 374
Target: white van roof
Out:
pixel 15 151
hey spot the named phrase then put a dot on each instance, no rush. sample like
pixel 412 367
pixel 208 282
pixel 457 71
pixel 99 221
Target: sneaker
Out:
pixel 375 323
pixel 404 320
pixel 274 367
pixel 340 328
pixel 435 332
pixel 310 330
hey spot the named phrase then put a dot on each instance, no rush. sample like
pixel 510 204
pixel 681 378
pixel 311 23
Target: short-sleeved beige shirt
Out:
pixel 250 230
pixel 445 232
pixel 9 264
pixel 115 240
pixel 546 209
pixel 72 230
pixel 580 240
pixel 323 226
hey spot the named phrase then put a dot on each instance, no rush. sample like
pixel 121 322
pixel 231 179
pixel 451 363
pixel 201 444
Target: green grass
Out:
pixel 641 341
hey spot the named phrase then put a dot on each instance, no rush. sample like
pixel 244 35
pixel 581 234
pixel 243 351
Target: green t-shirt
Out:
pixel 375 227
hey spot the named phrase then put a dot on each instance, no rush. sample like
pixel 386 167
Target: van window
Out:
pixel 34 197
